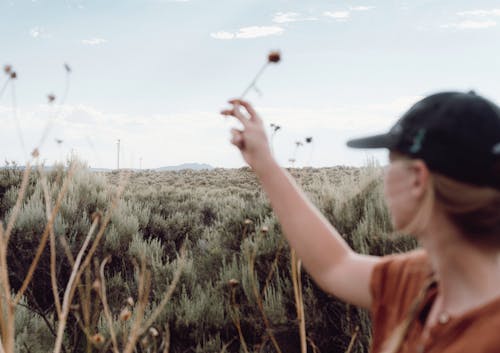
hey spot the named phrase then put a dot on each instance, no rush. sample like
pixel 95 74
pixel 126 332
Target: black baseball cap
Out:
pixel 457 134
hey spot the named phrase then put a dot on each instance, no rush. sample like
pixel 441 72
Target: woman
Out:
pixel 443 186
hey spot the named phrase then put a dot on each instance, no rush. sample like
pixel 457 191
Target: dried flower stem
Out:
pixel 6 327
pixel 254 81
pixel 49 124
pixel 17 206
pixel 258 298
pixel 52 243
pixel 44 237
pixel 299 302
pixel 104 299
pixel 16 118
pixel 166 349
pixel 236 320
pixel 9 327
pixel 4 87
pixel 142 301
pixel 353 339
pixel 273 266
pixel 69 288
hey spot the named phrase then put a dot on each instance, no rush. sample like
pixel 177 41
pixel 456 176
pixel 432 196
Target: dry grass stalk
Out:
pixel 258 298
pixel 52 243
pixel 142 301
pixel 236 319
pixel 166 339
pixel 107 311
pixel 69 288
pixel 6 326
pixel 353 340
pixel 274 266
pixel 19 201
pixel 299 302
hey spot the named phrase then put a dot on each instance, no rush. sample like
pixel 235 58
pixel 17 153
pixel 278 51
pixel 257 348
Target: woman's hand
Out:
pixel 252 140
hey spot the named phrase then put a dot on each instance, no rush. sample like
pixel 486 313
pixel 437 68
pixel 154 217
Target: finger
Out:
pixel 237 114
pixel 250 109
pixel 237 138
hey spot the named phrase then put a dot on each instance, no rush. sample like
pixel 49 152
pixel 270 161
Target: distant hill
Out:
pixel 193 166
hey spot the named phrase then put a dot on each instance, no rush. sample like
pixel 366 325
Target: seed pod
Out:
pixel 274 57
pixel 153 332
pixel 97 338
pixel 233 282
pixel 51 97
pixel 125 314
pixel 247 221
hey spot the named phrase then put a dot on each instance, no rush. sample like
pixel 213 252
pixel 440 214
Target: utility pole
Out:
pixel 118 154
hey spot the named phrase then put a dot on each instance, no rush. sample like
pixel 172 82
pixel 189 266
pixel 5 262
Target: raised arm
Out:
pixel 329 260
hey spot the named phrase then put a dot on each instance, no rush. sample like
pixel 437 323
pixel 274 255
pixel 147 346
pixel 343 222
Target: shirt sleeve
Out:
pixel 394 284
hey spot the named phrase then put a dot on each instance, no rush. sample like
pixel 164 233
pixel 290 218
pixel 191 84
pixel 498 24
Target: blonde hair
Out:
pixel 475 210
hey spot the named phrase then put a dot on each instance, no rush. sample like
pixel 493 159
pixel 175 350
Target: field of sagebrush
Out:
pixel 189 261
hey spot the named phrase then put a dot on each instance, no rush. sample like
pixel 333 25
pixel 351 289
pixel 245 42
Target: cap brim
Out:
pixel 376 141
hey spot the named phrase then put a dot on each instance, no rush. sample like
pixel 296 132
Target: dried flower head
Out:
pixel 264 229
pixel 153 332
pixel 130 301
pixel 97 338
pixel 96 285
pixel 274 57
pixel 247 221
pixel 51 97
pixel 67 68
pixel 13 75
pixel 35 153
pixel 309 139
pixel 233 282
pixel 7 69
pixel 125 314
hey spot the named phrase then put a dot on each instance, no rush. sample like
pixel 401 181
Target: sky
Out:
pixel 155 74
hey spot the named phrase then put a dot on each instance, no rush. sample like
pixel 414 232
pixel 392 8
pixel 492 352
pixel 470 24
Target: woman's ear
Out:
pixel 420 177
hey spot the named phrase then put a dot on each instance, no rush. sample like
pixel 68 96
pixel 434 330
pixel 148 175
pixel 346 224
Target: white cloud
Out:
pixel 222 35
pixel 249 32
pixel 285 17
pixel 362 8
pixel 480 13
pixel 39 32
pixel 338 15
pixel 94 41
pixel 470 24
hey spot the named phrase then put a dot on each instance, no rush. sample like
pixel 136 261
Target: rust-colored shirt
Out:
pixel 395 284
